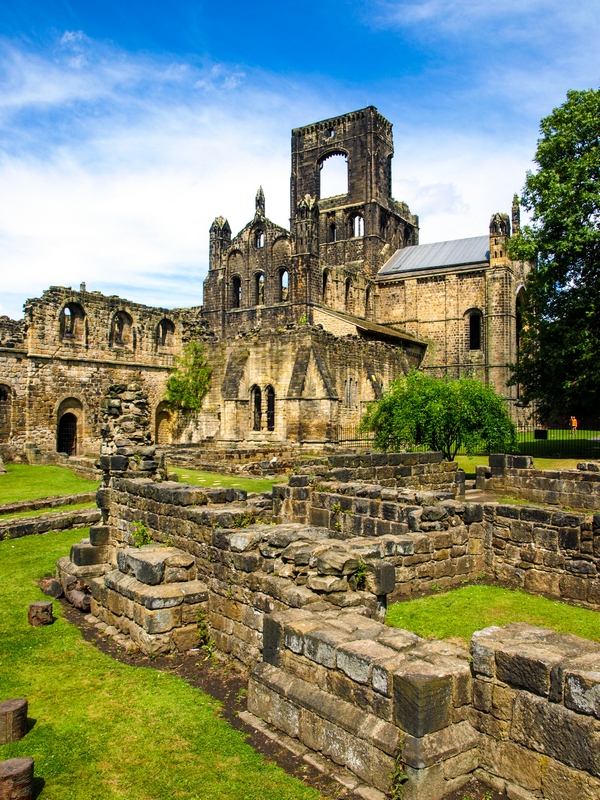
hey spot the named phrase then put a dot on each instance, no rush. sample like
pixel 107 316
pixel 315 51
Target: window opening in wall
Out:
pixel 349 296
pixel 68 322
pixel 331 133
pixel 66 440
pixel 121 333
pixel 326 286
pixel 407 239
pixel 236 292
pixel 270 408
pixel 475 331
pixel 260 289
pixel 368 303
pixel 259 239
pixel 358 226
pixel 333 232
pixel 5 409
pixel 256 408
pixel 72 322
pixel 333 176
pixel 165 333
pixel 284 285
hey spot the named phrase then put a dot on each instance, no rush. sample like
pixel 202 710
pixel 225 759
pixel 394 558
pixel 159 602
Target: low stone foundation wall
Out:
pixel 568 488
pixel 296 589
pixel 47 502
pixel 59 521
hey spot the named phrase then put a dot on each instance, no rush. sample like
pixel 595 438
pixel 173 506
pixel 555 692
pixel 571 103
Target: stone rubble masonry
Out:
pixel 568 488
pixel 301 604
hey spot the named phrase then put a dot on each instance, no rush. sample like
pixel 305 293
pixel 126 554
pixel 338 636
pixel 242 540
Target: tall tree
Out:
pixel 558 363
pixel 442 414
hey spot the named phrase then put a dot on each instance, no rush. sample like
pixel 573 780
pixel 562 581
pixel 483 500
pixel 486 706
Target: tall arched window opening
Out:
pixel 72 323
pixel 349 296
pixel 259 289
pixel 326 294
pixel 121 334
pixel 358 226
pixel 5 412
pixel 259 239
pixel 333 232
pixel 236 292
pixel 284 278
pixel 270 408
pixel 256 397
pixel 165 333
pixel 333 178
pixel 369 302
pixel 475 330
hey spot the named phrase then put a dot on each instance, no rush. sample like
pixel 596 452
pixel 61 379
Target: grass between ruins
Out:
pixel 461 612
pixel 32 482
pixel 210 479
pixel 104 730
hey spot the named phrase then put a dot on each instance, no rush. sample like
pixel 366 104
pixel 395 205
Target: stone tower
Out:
pixel 354 232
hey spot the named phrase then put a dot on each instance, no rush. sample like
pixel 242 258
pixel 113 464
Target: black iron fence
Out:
pixel 532 441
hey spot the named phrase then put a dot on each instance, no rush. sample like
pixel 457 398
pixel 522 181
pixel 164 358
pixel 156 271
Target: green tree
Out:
pixel 441 414
pixel 558 363
pixel 190 382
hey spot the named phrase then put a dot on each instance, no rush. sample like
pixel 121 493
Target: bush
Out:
pixel 441 414
pixel 190 382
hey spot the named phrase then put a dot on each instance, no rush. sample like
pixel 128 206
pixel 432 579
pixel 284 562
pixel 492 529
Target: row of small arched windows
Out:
pixel 260 406
pixel 356 228
pixel 282 289
pixel 122 332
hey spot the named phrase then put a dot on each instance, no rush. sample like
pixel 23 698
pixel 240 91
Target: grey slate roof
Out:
pixel 439 254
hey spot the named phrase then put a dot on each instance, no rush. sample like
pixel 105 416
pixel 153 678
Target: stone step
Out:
pixel 85 554
pixel 154 564
pixel 166 595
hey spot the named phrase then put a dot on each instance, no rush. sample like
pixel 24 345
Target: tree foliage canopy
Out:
pixel 190 382
pixel 558 364
pixel 441 414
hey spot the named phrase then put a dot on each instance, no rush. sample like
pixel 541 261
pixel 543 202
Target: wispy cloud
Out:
pixel 114 165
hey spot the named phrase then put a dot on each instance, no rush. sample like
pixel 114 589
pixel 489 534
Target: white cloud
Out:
pixel 113 167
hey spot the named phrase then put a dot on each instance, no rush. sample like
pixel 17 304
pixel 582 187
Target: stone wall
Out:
pixel 301 604
pixel 568 488
pixel 535 705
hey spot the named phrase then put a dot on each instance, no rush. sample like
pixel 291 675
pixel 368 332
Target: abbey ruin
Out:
pixel 303 327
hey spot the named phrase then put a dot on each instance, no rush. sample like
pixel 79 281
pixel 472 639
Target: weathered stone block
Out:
pixel 422 698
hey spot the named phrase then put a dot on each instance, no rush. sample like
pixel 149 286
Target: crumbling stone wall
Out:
pixel 567 488
pixel 301 604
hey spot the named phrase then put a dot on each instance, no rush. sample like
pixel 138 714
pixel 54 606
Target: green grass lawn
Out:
pixel 460 612
pixel 198 478
pixel 41 511
pixel 105 730
pixel 30 482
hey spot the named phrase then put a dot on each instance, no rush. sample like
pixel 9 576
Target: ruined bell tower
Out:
pixel 351 234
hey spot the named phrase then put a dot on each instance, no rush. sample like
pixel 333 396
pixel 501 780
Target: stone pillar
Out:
pixel 127 444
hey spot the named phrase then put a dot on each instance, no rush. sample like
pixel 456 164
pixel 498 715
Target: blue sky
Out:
pixel 126 127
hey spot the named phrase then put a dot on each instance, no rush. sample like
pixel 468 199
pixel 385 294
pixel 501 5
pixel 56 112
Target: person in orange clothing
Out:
pixel 573 425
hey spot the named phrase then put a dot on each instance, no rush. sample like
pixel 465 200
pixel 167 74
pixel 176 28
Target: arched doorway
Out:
pixel 164 419
pixel 5 412
pixel 66 439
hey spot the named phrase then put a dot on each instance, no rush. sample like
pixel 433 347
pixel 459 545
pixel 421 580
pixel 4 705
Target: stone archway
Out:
pixel 69 427
pixel 163 425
